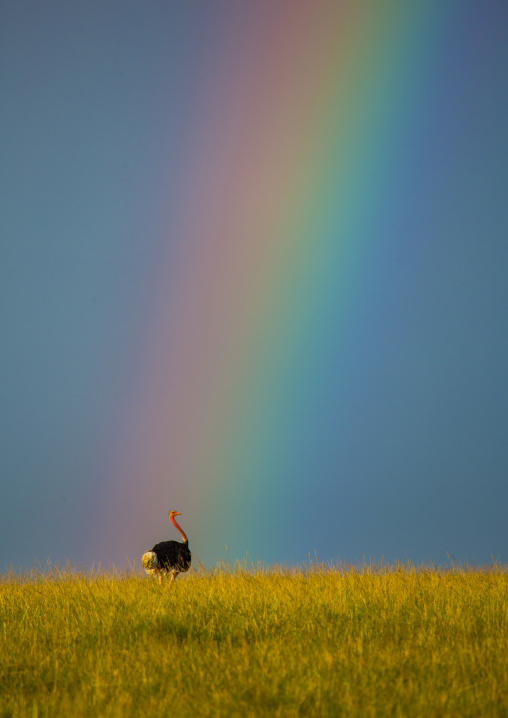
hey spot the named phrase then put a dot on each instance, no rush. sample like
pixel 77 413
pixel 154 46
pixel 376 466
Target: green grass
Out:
pixel 316 641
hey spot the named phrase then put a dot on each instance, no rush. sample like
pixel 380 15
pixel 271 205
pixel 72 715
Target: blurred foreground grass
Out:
pixel 320 640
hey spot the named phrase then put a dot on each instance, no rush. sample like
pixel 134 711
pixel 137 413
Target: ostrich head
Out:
pixel 172 515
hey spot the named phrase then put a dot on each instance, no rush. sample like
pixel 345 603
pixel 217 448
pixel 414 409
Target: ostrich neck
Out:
pixel 177 527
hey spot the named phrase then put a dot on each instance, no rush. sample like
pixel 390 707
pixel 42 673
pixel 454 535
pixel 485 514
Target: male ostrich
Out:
pixel 168 556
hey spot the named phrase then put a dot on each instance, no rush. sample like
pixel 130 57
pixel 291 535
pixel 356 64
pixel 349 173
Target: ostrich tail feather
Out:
pixel 149 560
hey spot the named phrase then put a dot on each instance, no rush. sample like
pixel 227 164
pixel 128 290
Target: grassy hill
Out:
pixel 251 641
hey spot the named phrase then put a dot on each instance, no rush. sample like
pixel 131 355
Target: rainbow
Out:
pixel 299 132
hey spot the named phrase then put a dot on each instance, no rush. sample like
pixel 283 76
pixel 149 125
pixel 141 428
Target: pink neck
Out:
pixel 173 521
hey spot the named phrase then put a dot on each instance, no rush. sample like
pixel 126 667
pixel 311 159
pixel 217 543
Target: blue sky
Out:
pixel 99 106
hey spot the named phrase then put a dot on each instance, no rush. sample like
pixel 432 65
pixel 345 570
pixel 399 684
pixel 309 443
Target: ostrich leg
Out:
pixel 173 576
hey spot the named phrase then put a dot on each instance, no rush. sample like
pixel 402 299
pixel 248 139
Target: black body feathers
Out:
pixel 173 555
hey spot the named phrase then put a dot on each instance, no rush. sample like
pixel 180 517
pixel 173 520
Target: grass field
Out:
pixel 251 641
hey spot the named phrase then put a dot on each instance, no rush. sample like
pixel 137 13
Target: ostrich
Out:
pixel 168 556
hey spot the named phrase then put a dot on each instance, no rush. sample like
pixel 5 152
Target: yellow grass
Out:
pixel 315 641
